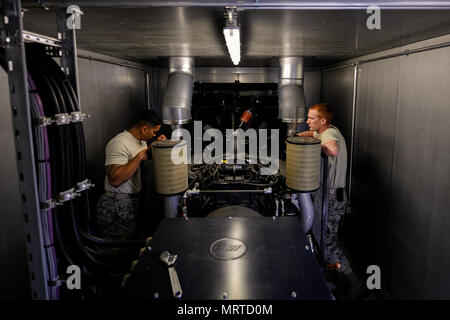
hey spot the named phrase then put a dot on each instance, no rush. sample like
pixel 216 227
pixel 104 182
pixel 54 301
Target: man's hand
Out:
pixel 161 137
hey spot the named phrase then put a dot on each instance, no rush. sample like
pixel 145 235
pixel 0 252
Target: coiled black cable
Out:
pixel 61 98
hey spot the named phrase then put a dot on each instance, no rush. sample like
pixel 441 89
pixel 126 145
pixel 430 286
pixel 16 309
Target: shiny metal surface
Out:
pixel 233 211
pixel 253 275
pixel 158 83
pixel 401 176
pixel 373 154
pixel 312 87
pixel 291 70
pixel 150 35
pixel 419 221
pixel 291 103
pixel 177 101
pixel 33 37
pixel 181 64
pixel 261 4
pixel 13 269
pixel 291 96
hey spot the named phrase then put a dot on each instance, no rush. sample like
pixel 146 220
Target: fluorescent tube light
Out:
pixel 233 40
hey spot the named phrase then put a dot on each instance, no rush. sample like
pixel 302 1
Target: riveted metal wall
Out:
pixel 112 95
pixel 419 221
pixel 13 267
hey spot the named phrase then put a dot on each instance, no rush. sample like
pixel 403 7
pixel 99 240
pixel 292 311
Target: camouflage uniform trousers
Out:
pixel 333 254
pixel 116 218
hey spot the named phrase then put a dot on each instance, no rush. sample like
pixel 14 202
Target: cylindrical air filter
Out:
pixel 170 171
pixel 303 164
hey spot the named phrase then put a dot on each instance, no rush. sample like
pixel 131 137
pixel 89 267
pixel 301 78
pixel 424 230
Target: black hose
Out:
pixel 70 97
pixel 69 165
pixel 111 243
pixel 76 131
pixel 57 140
pixel 61 245
pixel 83 249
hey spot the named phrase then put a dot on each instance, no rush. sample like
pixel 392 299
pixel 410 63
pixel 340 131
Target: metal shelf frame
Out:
pixel 13 38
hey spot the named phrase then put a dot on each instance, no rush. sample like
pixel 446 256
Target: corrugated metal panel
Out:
pixel 13 268
pixel 112 95
pixel 374 132
pixel 420 224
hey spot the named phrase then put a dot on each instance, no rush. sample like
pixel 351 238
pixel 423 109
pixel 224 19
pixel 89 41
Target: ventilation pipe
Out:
pixel 292 110
pixel 177 102
pixel 291 96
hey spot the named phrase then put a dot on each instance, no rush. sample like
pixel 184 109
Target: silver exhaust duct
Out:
pixel 177 101
pixel 292 110
pixel 291 96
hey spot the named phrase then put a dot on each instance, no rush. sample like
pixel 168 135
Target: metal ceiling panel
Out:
pixel 252 4
pixel 149 35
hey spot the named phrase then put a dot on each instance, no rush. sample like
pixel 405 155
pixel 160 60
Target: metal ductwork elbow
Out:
pixel 177 101
pixel 291 96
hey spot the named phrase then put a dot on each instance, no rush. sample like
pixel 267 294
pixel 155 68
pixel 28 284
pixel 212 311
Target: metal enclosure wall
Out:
pixel 112 95
pixel 14 277
pixel 372 166
pixel 158 83
pixel 337 91
pixel 419 225
pixel 312 87
pixel 401 175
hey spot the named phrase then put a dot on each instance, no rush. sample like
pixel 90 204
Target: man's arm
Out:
pixel 306 134
pixel 118 174
pixel 331 148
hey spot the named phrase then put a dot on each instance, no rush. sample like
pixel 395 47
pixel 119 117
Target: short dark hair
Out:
pixel 148 118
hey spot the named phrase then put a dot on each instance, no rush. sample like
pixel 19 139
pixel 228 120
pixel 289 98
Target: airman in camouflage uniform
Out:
pixel 333 145
pixel 117 210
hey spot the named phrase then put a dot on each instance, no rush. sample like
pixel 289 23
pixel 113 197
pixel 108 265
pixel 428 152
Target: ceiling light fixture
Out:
pixel 231 31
